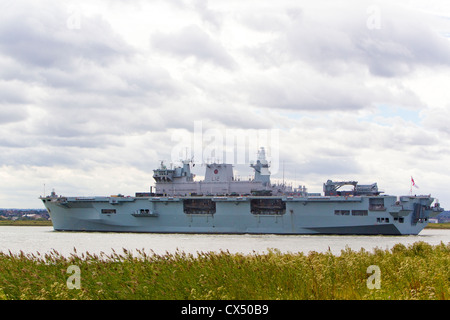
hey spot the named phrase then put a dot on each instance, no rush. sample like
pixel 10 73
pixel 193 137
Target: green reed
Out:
pixel 419 271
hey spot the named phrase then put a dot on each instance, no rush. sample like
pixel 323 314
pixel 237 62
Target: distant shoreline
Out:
pixel 22 223
pixel 438 226
pixel 48 223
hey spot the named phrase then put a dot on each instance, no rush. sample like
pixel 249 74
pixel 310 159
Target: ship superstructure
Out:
pixel 222 203
pixel 219 180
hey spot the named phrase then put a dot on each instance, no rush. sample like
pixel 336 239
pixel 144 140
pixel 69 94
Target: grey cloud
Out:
pixel 192 41
pixel 324 167
pixel 121 80
pixel 437 119
pixel 14 96
pixel 298 89
pixel 400 44
pixel 312 96
pixel 13 92
pixel 323 62
pixel 343 43
pixel 268 21
pixel 12 113
pixel 206 14
pixel 38 48
pixel 39 36
pixel 84 87
pixel 37 157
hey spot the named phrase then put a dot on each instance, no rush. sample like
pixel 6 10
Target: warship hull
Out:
pixel 356 215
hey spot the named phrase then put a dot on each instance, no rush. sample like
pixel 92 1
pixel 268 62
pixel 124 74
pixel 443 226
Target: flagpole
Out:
pixel 412 184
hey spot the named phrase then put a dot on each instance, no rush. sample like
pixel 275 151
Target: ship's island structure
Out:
pixel 222 203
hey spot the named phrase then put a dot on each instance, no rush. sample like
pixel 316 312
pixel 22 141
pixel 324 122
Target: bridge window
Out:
pixel 376 204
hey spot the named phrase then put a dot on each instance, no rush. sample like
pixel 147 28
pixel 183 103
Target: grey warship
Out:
pixel 222 203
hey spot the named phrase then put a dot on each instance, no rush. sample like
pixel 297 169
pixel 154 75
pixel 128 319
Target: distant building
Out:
pixel 18 214
pixel 443 217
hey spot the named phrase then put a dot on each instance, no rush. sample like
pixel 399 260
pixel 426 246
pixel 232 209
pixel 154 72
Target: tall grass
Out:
pixel 419 271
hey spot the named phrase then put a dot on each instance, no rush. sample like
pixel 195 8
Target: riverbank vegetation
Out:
pixel 438 225
pixel 417 271
pixel 28 222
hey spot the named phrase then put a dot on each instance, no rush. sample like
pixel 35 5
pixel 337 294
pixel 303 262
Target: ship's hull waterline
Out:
pixel 340 215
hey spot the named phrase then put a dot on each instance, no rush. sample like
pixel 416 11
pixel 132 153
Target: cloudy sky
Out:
pixel 93 94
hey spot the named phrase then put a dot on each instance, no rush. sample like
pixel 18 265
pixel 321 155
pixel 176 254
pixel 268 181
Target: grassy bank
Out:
pixel 419 271
pixel 438 225
pixel 25 223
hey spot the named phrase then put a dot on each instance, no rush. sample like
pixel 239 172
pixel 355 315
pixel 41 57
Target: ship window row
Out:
pixel 267 207
pixel 354 212
pixel 108 211
pixel 257 206
pixel 342 212
pixel 199 206
pixel 400 219
pixel 380 220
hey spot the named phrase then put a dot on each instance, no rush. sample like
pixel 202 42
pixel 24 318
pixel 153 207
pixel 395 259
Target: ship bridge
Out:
pixel 164 174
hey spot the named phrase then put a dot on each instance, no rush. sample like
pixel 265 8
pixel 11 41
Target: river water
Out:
pixel 45 239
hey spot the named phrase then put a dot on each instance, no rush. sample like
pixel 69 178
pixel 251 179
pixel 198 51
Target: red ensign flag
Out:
pixel 413 183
